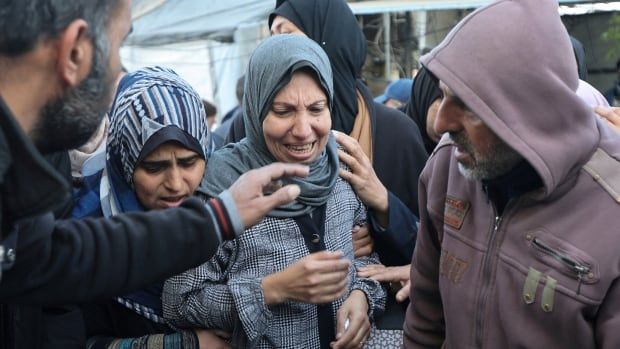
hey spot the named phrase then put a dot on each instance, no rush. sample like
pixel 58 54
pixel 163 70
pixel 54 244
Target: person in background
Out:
pixel 290 281
pixel 228 124
pixel 158 146
pixel 423 105
pixel 613 94
pixel 504 256
pixel 211 111
pixel 396 93
pixel 56 74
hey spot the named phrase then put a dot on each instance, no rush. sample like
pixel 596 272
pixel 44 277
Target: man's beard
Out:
pixel 499 159
pixel 70 120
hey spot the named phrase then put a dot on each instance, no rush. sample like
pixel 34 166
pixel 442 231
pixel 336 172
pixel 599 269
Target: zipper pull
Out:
pixel 579 279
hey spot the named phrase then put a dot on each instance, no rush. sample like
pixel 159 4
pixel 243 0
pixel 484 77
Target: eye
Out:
pixel 188 163
pixel 152 168
pixel 282 111
pixel 317 109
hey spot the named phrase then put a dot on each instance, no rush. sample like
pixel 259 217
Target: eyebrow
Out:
pixel 166 162
pixel 284 104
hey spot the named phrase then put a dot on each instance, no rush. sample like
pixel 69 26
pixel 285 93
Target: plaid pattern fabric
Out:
pixel 225 292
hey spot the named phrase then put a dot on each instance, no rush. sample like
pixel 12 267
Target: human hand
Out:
pixel 611 115
pixel 362 176
pixel 320 277
pixel 363 243
pixel 212 339
pixel 399 275
pixel 355 311
pixel 248 191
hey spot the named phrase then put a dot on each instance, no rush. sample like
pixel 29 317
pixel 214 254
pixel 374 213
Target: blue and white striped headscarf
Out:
pixel 148 100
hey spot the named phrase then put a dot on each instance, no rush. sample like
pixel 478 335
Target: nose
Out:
pixel 302 129
pixel 448 118
pixel 174 180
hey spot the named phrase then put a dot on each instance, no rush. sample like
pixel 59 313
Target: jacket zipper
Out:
pixel 486 279
pixel 578 268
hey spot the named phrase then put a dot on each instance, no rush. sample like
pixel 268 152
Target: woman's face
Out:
pixel 167 176
pixel 281 25
pixel 297 126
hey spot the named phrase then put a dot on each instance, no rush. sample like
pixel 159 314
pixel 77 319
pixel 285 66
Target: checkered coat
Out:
pixel 225 293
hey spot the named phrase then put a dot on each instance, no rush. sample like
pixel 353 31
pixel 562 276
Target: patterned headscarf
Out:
pixel 270 69
pixel 147 101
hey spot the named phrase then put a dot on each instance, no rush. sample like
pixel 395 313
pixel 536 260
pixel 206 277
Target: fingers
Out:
pixel 351 146
pixel 279 170
pixel 356 333
pixel 326 293
pixel 279 197
pixel 353 163
pixel 403 293
pixel 370 270
pixel 388 274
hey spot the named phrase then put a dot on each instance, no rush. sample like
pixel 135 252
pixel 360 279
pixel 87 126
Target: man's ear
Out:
pixel 75 53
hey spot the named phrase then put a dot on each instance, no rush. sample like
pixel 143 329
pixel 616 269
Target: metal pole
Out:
pixel 386 43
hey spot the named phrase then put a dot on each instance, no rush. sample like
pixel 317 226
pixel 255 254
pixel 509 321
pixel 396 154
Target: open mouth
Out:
pixel 173 201
pixel 301 151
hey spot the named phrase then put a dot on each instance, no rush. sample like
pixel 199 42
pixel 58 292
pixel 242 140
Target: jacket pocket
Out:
pixel 564 258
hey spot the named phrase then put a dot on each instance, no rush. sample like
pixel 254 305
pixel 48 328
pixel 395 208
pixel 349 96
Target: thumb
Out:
pixel 403 293
pixel 341 319
pixel 282 196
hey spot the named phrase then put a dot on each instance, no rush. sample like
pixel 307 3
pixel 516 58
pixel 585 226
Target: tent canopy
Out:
pixel 172 21
pixel 159 22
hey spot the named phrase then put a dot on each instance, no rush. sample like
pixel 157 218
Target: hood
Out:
pixel 486 60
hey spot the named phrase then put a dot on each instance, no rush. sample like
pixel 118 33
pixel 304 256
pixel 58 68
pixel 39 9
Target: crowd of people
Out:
pixel 448 212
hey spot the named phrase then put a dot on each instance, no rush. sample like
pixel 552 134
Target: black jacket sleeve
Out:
pixel 80 260
pixel 395 243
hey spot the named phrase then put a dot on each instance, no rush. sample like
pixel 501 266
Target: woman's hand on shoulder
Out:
pixel 320 277
pixel 362 176
pixel 352 322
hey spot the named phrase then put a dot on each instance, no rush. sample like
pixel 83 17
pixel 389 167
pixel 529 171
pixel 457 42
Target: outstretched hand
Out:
pixel 249 191
pixel 399 276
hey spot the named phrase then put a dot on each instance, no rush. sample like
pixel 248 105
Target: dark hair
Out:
pixel 210 108
pixel 239 89
pixel 618 64
pixel 23 23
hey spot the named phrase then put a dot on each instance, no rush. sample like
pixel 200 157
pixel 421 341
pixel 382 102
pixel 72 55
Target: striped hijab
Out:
pixel 148 100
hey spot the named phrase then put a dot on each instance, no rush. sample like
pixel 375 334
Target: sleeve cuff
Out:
pixel 225 215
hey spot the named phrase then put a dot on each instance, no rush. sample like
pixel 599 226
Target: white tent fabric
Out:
pixel 173 21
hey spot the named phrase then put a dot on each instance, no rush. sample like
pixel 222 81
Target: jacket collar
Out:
pixel 30 186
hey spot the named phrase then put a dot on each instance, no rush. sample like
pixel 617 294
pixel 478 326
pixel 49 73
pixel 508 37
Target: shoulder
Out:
pixel 394 127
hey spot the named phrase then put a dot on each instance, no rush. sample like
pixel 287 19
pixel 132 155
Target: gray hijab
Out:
pixel 270 69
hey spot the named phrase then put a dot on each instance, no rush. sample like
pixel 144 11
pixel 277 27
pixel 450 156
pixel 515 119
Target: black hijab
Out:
pixel 333 26
pixel 424 92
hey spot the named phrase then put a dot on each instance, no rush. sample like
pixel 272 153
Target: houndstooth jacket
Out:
pixel 225 292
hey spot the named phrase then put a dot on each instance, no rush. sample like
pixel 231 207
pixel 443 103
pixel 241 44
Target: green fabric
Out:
pixel 530 286
pixel 548 294
pixel 177 340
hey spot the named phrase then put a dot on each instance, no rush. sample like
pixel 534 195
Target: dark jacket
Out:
pixel 55 262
